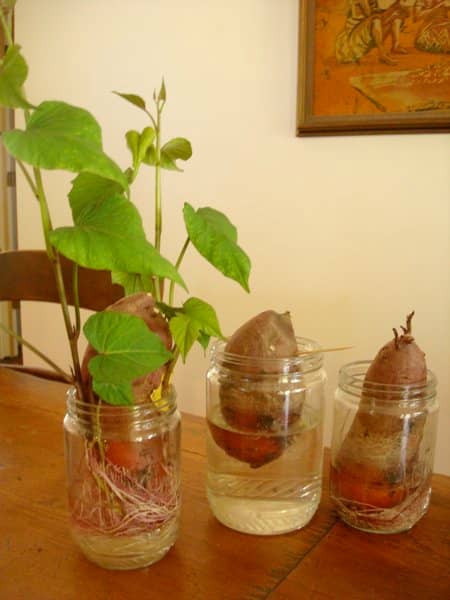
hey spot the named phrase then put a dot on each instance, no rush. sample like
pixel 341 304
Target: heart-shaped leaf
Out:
pixel 139 144
pixel 214 236
pixel 108 234
pixel 90 190
pixel 126 348
pixel 62 136
pixel 13 74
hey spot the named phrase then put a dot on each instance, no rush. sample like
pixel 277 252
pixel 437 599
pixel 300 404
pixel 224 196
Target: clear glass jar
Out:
pixel 264 439
pixel 382 451
pixel 123 478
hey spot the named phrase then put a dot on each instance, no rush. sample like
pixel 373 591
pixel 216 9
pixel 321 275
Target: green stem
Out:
pixel 7 29
pixel 72 333
pixel 45 215
pixel 158 210
pixel 76 301
pixel 170 369
pixel 30 346
pixel 177 264
pixel 28 178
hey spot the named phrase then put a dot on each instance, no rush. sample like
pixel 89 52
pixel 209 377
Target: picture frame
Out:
pixel 347 84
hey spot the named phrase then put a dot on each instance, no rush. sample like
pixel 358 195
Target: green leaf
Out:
pixel 13 74
pixel 195 321
pixel 89 191
pixel 185 332
pixel 132 282
pixel 176 149
pixel 132 138
pixel 114 393
pixel 61 136
pixel 204 314
pixel 203 340
pixel 215 238
pixel 126 348
pixel 139 144
pixel 133 99
pixel 108 234
pixel 162 95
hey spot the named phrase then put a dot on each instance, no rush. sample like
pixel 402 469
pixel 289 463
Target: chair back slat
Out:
pixel 29 275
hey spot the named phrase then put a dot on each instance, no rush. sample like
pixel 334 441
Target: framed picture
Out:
pixel 373 66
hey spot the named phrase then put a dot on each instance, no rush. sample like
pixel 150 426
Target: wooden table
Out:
pixel 325 560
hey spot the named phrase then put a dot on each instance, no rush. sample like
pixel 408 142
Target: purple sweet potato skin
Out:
pixel 141 305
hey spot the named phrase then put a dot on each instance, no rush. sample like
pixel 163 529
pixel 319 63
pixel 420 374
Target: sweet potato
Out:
pixel 253 404
pixel 251 399
pixel 141 305
pixel 268 335
pixel 256 450
pixel 375 462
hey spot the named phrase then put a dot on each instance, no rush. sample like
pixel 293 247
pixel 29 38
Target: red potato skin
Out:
pixel 356 474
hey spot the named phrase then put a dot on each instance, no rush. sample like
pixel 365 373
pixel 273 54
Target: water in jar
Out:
pixel 264 482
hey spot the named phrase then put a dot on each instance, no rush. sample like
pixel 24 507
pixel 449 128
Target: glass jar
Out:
pixel 382 451
pixel 264 439
pixel 123 477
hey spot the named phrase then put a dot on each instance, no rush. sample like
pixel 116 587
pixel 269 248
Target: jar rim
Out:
pixel 164 406
pixel 309 358
pixel 352 380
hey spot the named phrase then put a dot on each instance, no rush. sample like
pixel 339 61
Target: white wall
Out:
pixel 348 233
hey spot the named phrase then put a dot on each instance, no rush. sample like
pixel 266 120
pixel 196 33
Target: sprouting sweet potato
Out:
pixel 140 305
pixel 256 450
pixel 249 404
pixel 400 361
pixel 251 400
pixel 375 462
pixel 268 335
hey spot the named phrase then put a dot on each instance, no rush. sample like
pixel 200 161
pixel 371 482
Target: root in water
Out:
pixel 116 501
pixel 372 518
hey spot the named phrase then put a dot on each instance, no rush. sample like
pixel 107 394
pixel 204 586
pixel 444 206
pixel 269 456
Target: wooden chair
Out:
pixel 28 275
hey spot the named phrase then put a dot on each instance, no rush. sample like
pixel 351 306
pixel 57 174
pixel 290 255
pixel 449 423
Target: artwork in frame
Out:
pixel 374 66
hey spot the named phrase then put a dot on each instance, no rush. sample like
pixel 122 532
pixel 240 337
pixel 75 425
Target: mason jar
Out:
pixel 123 479
pixel 264 439
pixel 382 451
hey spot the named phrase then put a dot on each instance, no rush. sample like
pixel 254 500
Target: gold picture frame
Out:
pixel 383 71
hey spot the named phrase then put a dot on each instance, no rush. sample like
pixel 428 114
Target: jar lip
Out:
pixel 309 357
pixel 165 405
pixel 352 379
